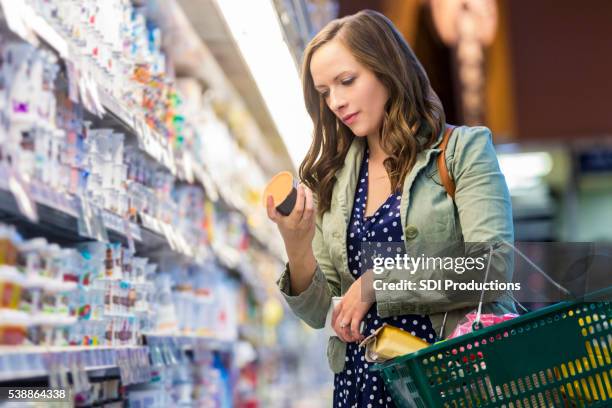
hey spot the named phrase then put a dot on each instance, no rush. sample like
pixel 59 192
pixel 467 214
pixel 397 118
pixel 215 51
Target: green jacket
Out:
pixel 481 212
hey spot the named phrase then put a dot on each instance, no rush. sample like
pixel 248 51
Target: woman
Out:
pixel 371 166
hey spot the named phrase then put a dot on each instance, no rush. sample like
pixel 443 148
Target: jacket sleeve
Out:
pixel 483 201
pixel 484 205
pixel 485 215
pixel 313 303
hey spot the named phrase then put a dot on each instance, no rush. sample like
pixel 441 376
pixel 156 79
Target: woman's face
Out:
pixel 352 92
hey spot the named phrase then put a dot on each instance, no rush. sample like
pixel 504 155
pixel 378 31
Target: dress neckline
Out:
pixel 366 187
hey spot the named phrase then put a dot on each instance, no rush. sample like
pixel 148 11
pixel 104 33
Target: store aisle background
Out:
pixel 137 135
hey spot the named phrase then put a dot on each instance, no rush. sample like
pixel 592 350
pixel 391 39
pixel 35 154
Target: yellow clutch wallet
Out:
pixel 389 342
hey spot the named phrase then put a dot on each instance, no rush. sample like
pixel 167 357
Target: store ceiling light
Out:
pixel 255 26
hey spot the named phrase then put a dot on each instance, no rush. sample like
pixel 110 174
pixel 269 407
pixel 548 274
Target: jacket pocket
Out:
pixel 336 353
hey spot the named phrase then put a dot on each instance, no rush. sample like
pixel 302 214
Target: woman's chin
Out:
pixel 359 132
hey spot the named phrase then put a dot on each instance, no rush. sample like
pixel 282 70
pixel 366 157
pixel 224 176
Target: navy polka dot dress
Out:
pixel 355 386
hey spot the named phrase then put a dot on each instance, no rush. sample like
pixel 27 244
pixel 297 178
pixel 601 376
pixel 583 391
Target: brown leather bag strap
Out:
pixel 445 178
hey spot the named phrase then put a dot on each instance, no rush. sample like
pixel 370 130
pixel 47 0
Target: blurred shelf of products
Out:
pixel 136 263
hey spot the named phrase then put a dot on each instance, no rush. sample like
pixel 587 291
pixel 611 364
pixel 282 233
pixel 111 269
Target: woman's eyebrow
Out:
pixel 335 78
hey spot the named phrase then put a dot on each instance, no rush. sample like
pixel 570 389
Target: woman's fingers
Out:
pixel 272 212
pixel 302 214
pixel 339 329
pixel 346 324
pixel 298 209
pixel 343 333
pixel 338 322
pixel 308 207
pixel 355 333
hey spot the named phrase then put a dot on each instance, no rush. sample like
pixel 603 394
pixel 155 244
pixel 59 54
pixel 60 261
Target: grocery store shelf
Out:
pixel 59 225
pixel 59 214
pixel 58 219
pixel 187 341
pixel 119 117
pixel 115 114
pixel 23 362
pixel 26 362
pixel 220 63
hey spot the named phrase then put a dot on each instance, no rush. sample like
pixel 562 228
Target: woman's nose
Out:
pixel 336 101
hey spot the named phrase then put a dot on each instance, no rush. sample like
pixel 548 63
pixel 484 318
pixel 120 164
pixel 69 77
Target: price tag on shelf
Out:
pixel 146 221
pixel 127 229
pixel 73 73
pixel 163 154
pixel 182 244
pixel 4 177
pixel 45 197
pixel 92 88
pixel 56 201
pixel 209 186
pixel 86 358
pixel 66 204
pixel 83 92
pixel 139 134
pixel 109 357
pixel 25 203
pixel 167 232
pixel 45 31
pixel 72 206
pixel 187 162
pixel 107 218
pixel 90 222
pixel 17 15
pixel 135 231
pixel 157 151
pixel 112 104
pixel 172 161
pixel 163 142
pixel 145 372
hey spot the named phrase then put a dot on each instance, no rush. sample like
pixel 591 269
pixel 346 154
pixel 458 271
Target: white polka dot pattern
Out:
pixel 353 387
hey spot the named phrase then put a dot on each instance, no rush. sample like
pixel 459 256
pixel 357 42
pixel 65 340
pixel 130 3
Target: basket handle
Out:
pixel 477 324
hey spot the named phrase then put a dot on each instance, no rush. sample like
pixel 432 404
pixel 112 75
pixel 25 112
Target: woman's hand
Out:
pixel 348 315
pixel 297 228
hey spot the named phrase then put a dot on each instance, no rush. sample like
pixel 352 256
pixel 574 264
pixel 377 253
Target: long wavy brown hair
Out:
pixel 413 116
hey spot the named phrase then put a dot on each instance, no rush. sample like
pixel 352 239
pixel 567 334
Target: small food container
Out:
pixel 283 189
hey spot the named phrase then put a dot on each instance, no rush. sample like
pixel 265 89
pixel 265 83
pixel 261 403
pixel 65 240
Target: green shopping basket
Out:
pixel 558 356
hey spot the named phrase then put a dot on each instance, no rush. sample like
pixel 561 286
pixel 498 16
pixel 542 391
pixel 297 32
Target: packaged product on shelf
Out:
pixel 9 240
pixel 13 323
pixel 31 140
pixel 204 305
pixel 36 291
pixel 205 380
pixel 191 218
pixel 164 309
pixel 114 298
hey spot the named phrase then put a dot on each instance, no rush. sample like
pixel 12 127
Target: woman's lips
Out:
pixel 350 118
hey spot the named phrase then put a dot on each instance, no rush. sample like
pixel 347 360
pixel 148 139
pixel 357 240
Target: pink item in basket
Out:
pixel 486 320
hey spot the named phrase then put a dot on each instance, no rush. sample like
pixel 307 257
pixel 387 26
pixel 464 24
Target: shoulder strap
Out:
pixel 445 178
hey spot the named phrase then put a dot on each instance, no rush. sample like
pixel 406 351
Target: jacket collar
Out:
pixel 346 177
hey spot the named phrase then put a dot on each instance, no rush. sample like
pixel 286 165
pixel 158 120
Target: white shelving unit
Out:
pixel 58 215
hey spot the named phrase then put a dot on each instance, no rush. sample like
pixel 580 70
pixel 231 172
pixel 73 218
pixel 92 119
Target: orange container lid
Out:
pixel 279 187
